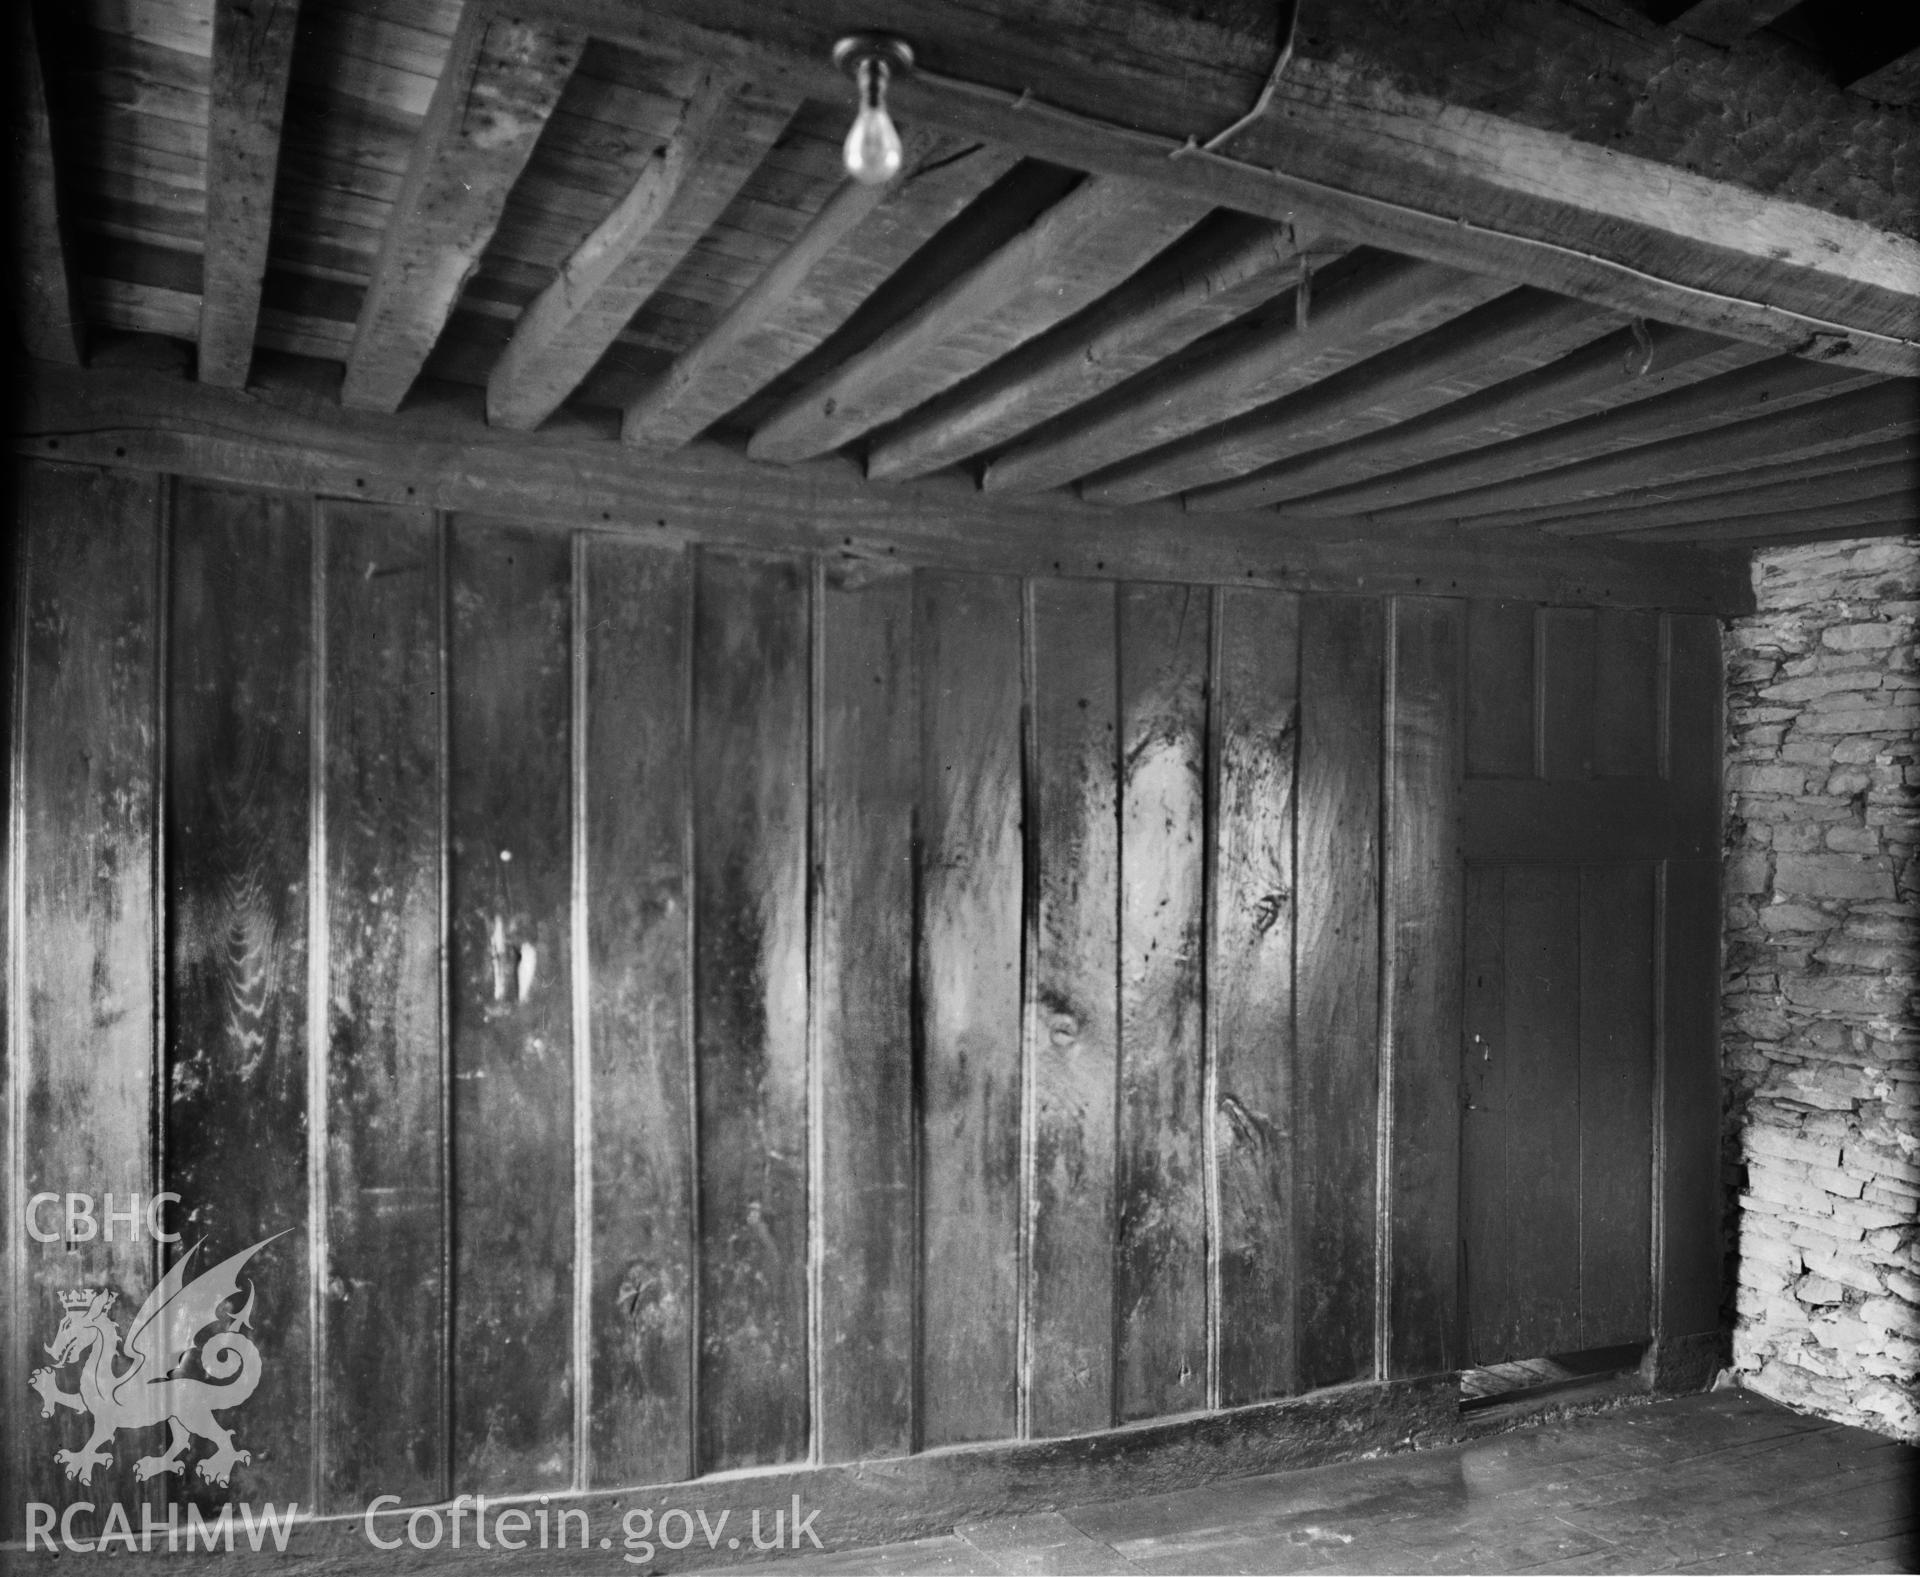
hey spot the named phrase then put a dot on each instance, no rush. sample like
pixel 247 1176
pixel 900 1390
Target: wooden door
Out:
pixel 1589 815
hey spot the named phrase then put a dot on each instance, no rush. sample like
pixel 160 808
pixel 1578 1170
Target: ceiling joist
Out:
pixel 1842 416
pixel 1726 22
pixel 1890 513
pixel 1507 337
pixel 1074 253
pixel 728 126
pixel 246 102
pixel 47 299
pixel 499 86
pixel 1363 305
pixel 1192 289
pixel 850 247
pixel 1861 480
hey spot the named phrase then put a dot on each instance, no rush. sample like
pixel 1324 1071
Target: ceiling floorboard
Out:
pixel 501 82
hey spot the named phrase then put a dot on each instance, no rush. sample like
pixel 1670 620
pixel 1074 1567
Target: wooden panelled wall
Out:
pixel 698 1010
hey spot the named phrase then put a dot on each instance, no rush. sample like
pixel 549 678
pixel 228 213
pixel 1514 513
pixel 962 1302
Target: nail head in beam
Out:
pixel 502 79
pixel 724 132
pixel 246 104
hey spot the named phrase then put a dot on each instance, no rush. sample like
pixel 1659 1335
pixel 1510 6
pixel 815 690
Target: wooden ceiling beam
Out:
pixel 500 84
pixel 1721 486
pixel 849 248
pixel 246 103
pixel 1848 417
pixel 1897 510
pixel 1521 331
pixel 727 128
pixel 1074 253
pixel 46 303
pixel 1726 22
pixel 1215 276
pixel 288 432
pixel 1345 150
pixel 1848 486
pixel 1612 372
pixel 1778 383
pixel 1897 82
pixel 1364 304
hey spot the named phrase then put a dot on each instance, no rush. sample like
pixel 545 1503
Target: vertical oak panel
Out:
pixel 1160 1283
pixel 511 1007
pixel 970 994
pixel 1543 1103
pixel 88 556
pixel 1626 711
pixel 751 675
pixel 1255 729
pixel 1337 949
pixel 1072 1035
pixel 383 1367
pixel 1423 898
pixel 1566 682
pixel 1500 698
pixel 636 611
pixel 868 781
pixel 1616 1101
pixel 1487 1318
pixel 238 822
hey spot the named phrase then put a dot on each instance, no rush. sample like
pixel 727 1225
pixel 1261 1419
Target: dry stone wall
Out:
pixel 1821 1045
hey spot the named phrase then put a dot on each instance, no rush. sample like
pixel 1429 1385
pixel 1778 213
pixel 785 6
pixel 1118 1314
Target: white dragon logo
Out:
pixel 147 1391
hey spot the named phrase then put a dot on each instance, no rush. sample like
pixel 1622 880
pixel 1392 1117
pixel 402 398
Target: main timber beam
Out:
pixel 246 104
pixel 1344 150
pixel 725 131
pixel 500 84
pixel 439 453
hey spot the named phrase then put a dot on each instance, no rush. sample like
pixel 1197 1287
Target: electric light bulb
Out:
pixel 872 148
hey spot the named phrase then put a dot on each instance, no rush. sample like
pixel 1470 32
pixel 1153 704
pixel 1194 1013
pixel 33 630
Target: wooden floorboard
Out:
pixel 1725 1482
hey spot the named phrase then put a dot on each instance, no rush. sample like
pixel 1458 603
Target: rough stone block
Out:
pixel 1852 840
pixel 1862 637
pixel 1832 876
pixel 1768 780
pixel 1796 918
pixel 1749 873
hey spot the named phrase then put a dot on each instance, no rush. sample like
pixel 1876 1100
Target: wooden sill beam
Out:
pixel 47 306
pixel 1217 275
pixel 288 432
pixel 1775 384
pixel 1074 253
pixel 1506 338
pixel 727 128
pixel 1612 372
pixel 500 84
pixel 854 244
pixel 1347 152
pixel 1862 475
pixel 1883 410
pixel 252 59
pixel 1365 304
